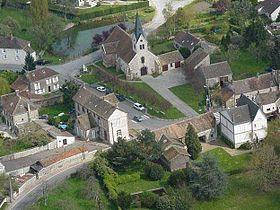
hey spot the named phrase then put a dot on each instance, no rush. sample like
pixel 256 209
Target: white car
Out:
pixel 101 89
pixel 138 106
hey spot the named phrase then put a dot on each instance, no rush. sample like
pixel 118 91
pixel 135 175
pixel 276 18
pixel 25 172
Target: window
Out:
pixel 119 133
pixel 268 109
pixel 17 57
pixel 5 56
pixel 142 59
pixel 17 51
pixel 143 46
pixel 140 47
pixel 171 64
pixel 4 50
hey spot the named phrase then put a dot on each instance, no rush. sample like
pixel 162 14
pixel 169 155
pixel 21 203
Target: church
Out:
pixel 130 53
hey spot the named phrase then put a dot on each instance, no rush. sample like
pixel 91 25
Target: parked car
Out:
pixel 41 62
pixel 139 107
pixel 101 89
pixel 108 91
pixel 120 97
pixel 44 117
pixel 138 118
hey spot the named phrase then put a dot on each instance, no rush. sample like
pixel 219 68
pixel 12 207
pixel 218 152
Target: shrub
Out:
pixel 124 200
pixel 164 203
pixel 154 171
pixel 246 146
pixel 177 178
pixel 148 199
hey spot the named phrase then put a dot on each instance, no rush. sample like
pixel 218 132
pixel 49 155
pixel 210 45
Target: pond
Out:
pixel 76 42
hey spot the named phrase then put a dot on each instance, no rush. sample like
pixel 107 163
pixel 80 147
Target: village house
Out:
pixel 244 123
pixel 204 125
pixel 185 39
pixel 250 87
pixel 217 73
pixel 269 103
pixel 99 117
pixel 13 50
pixel 198 58
pixel 86 3
pixel 17 111
pixel 129 54
pixel 38 82
pixel 270 8
pixel 170 60
pixel 175 155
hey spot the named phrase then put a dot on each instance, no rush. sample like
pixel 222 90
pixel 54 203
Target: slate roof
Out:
pixel 216 70
pixel 11 42
pixel 196 57
pixel 268 6
pixel 267 98
pixel 138 30
pixel 177 130
pixel 186 39
pixel 251 84
pixel 39 74
pixel 253 107
pixel 13 104
pixel 170 57
pixel 119 42
pixel 86 97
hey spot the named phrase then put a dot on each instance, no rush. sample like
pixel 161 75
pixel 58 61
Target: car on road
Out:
pixel 120 97
pixel 101 89
pixel 138 106
pixel 138 118
pixel 42 62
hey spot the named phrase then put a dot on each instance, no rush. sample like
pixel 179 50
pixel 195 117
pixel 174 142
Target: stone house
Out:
pixel 38 82
pixel 204 125
pixel 13 50
pixel 269 103
pixel 250 87
pixel 185 39
pixel 270 8
pixel 17 111
pixel 198 58
pixel 99 117
pixel 170 60
pixel 217 73
pixel 129 53
pixel 175 155
pixel 244 123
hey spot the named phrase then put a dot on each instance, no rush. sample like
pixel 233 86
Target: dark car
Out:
pixel 108 91
pixel 120 97
pixel 44 117
pixel 42 62
pixel 138 118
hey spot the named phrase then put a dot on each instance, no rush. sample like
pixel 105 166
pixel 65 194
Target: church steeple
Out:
pixel 138 28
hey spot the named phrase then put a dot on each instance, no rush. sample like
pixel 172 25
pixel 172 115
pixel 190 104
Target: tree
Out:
pixel 181 18
pixel 192 142
pixel 169 21
pixel 69 89
pixel 178 178
pixel 39 11
pixel 148 199
pixel 164 203
pixel 97 39
pixel 29 63
pixel 275 55
pixel 256 33
pixel 124 200
pixel 185 52
pixel 265 164
pixel 208 181
pixel 11 23
pixel 181 198
pixel 154 171
pixel 4 86
pixel 5 30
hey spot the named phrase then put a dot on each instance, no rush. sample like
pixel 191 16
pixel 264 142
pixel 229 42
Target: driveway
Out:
pixel 162 83
pixel 159 19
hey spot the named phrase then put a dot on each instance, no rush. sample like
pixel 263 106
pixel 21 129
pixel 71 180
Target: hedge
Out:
pixel 97 12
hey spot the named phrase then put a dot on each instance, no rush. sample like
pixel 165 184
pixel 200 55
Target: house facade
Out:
pixel 14 50
pixel 17 111
pixel 244 123
pixel 38 82
pixel 171 60
pixel 98 118
pixel 269 103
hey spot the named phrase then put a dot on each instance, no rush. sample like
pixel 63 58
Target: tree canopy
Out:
pixel 192 142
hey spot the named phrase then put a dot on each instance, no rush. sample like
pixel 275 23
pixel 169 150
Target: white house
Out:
pixel 244 123
pixel 269 103
pixel 99 117
pixel 170 60
pixel 14 50
pixel 270 8
pixel 86 3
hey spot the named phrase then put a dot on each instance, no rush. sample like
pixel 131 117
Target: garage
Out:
pixel 165 68
pixel 170 60
pixel 178 64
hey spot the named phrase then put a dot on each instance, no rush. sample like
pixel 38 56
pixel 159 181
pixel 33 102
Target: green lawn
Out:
pixel 69 196
pixel 111 70
pixel 187 94
pixel 55 109
pixel 162 47
pixel 247 66
pixel 171 113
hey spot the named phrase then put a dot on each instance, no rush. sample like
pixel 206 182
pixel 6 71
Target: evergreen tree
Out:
pixel 39 11
pixel 192 142
pixel 29 63
pixel 275 55
pixel 208 180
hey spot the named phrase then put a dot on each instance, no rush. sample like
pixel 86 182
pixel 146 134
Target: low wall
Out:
pixel 2 202
pixel 49 146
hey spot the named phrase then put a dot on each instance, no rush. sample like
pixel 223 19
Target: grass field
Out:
pixel 55 109
pixel 187 94
pixel 162 47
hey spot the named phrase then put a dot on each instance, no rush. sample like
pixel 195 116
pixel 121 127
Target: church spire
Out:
pixel 138 27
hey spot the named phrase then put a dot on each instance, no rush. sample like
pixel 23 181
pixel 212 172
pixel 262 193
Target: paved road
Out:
pixel 159 19
pixel 31 197
pixel 162 83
